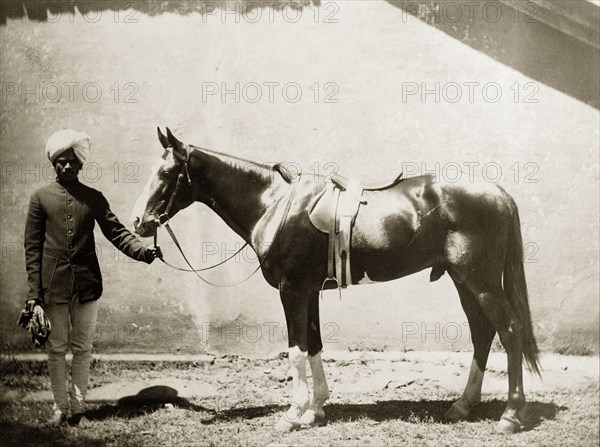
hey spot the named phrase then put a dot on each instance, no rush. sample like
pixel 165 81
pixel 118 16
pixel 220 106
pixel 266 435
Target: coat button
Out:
pixel 69 217
pixel 71 247
pixel 70 231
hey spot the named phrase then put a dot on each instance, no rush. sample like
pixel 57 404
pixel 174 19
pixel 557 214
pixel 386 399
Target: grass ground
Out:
pixel 249 395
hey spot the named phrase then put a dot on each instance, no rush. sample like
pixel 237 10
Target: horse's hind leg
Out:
pixel 497 309
pixel 482 335
pixel 315 414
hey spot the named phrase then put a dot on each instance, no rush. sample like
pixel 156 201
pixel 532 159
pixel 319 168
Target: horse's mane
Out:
pixel 287 175
pixel 261 169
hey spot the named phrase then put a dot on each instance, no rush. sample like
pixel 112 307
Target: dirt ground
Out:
pixel 376 399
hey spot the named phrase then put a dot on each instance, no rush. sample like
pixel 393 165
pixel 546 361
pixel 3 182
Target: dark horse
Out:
pixel 470 230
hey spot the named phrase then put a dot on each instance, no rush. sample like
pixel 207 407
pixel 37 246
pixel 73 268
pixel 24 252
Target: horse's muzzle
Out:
pixel 145 228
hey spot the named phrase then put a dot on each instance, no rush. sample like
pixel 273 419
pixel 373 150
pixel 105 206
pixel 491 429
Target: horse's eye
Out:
pixel 165 175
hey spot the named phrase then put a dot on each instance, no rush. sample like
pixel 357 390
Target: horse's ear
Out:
pixel 163 140
pixel 177 145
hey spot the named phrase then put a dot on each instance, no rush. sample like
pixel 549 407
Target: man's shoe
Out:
pixel 58 419
pixel 75 419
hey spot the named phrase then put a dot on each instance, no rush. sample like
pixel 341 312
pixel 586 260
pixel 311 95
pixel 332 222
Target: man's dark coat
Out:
pixel 59 242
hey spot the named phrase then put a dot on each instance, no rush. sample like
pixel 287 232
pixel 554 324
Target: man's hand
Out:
pixel 153 252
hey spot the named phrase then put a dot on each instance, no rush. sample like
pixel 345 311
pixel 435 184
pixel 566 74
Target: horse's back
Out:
pixel 422 222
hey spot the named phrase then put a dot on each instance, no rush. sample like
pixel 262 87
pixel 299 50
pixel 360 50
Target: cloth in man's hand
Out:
pixel 34 319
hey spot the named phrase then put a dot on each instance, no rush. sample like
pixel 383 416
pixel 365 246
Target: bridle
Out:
pixel 163 219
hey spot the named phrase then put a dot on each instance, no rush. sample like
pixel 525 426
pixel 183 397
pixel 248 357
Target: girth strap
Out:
pixel 332 233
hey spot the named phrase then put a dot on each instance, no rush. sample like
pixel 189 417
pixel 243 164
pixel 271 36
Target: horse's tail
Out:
pixel 515 288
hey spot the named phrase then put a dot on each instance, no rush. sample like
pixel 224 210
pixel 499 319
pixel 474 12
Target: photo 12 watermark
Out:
pixel 90 11
pixel 469 92
pixel 446 332
pixel 228 332
pixel 12 172
pixel 215 253
pixel 473 171
pixel 231 332
pixel 69 92
pixel 133 12
pixel 468 11
pixel 271 92
pixel 266 11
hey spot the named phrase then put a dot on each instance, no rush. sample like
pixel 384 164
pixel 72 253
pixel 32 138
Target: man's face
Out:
pixel 67 166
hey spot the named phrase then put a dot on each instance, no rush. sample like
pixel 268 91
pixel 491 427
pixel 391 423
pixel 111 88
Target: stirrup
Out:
pixel 337 283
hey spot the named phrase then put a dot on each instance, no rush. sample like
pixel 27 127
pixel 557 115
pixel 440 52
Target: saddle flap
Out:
pixel 350 200
pixel 324 209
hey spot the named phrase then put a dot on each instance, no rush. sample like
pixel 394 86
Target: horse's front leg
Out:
pixel 315 414
pixel 295 305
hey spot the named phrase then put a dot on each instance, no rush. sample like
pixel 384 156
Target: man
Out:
pixel 62 267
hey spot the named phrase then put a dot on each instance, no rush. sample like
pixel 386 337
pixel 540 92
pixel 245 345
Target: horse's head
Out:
pixel 167 191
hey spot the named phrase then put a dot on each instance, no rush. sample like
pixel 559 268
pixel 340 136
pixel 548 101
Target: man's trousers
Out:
pixel 75 322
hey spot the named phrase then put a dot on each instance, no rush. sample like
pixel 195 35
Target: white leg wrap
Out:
pixel 291 418
pixel 315 413
pixel 472 393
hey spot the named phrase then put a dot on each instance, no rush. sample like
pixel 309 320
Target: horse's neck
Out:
pixel 234 188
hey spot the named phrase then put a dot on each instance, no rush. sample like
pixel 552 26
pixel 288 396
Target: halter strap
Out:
pixel 164 217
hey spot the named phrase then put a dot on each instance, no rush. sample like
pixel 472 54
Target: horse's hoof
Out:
pixel 312 419
pixel 284 425
pixel 457 412
pixel 508 425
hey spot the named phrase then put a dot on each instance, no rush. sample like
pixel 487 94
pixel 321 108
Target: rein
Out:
pixel 190 270
pixel 164 219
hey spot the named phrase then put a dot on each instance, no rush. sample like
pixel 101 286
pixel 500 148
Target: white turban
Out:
pixel 62 140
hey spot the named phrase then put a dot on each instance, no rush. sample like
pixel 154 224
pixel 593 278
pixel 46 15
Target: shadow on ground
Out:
pixel 434 411
pixel 148 400
pixel 21 434
pixel 409 411
pixel 154 398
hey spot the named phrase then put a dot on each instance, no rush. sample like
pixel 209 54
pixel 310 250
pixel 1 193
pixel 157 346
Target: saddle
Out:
pixel 343 182
pixel 334 213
